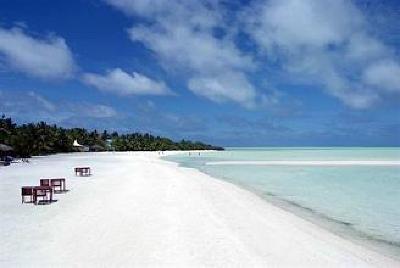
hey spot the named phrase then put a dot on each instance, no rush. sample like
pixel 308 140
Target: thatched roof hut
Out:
pixel 5 148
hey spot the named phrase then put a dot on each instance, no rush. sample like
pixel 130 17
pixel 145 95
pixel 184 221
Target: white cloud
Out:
pixel 25 103
pixel 193 13
pixel 362 48
pixel 122 83
pixel 327 44
pixel 91 110
pixel 185 48
pixel 143 7
pixel 384 74
pixel 31 106
pixel 358 99
pixel 290 24
pixel 48 58
pixel 181 36
pixel 41 101
pixel 324 43
pixel 228 86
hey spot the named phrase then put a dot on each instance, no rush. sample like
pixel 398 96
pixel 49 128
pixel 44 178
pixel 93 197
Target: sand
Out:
pixel 138 210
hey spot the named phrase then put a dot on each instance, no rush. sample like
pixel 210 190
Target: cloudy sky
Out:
pixel 237 72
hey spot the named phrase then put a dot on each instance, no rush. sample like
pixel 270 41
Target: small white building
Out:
pixel 79 147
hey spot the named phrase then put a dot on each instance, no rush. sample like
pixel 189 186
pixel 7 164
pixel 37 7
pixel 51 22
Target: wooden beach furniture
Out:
pixel 44 182
pixel 43 192
pixel 58 185
pixel 27 191
pixel 83 171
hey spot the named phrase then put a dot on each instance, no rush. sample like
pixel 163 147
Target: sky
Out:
pixel 231 73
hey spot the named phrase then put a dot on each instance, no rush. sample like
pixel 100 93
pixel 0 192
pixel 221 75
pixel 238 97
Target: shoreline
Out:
pixel 328 163
pixel 339 228
pixel 151 212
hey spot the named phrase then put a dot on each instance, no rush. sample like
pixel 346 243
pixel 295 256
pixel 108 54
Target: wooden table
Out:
pixel 83 171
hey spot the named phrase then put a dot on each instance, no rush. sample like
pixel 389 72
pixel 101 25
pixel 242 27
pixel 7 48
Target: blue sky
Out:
pixel 244 73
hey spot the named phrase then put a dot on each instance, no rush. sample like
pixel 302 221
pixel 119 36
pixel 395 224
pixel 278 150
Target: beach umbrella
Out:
pixel 5 148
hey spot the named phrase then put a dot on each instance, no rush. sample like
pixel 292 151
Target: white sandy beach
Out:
pixel 138 210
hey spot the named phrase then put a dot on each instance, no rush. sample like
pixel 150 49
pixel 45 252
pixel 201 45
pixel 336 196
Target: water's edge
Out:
pixel 343 229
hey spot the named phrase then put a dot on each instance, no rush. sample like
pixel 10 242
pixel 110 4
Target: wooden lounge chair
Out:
pixel 27 191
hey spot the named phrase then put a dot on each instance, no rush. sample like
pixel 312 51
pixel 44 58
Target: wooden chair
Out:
pixel 58 183
pixel 77 171
pixel 44 182
pixel 27 191
pixel 45 192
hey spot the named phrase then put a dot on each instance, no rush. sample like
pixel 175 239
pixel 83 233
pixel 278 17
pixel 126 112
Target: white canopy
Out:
pixel 76 144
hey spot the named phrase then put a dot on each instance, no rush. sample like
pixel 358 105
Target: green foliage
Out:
pixel 41 139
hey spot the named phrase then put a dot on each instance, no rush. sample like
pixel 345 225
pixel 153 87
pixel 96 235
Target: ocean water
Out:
pixel 353 191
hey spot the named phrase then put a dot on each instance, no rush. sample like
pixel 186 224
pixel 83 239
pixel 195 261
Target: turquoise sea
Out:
pixel 355 192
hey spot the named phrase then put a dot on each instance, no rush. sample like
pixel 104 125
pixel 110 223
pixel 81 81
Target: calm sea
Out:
pixel 353 191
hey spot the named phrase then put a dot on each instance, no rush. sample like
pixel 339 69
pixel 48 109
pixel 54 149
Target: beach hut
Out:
pixel 5 148
pixel 109 144
pixel 5 151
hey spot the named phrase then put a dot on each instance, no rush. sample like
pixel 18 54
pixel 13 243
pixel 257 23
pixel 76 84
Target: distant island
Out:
pixel 41 138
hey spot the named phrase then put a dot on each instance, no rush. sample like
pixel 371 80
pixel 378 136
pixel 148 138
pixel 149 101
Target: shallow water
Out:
pixel 363 199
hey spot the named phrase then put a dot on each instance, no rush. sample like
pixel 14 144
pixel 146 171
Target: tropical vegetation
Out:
pixel 42 138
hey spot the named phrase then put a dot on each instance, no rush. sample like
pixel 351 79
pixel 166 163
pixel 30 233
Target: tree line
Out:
pixel 42 138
